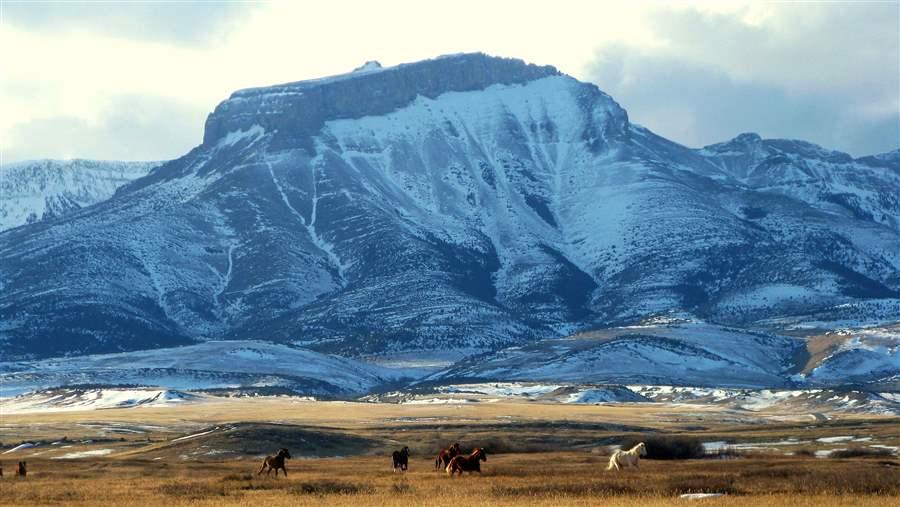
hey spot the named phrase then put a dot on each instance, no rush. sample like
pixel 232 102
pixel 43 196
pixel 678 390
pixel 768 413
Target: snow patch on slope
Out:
pixel 66 400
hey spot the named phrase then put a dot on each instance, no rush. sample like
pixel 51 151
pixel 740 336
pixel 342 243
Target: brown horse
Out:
pixel 401 459
pixel 275 462
pixel 21 469
pixel 443 458
pixel 470 463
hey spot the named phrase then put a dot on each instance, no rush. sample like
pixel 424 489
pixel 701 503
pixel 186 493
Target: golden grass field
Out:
pixel 538 454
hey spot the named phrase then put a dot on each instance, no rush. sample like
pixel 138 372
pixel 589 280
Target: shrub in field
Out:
pixel 701 484
pixel 238 477
pixel 402 488
pixel 556 490
pixel 331 488
pixel 862 452
pixel 727 452
pixel 193 490
pixel 264 485
pixel 855 482
pixel 668 447
pixel 42 497
pixel 768 473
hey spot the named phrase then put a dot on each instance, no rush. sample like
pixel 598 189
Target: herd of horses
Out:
pixel 453 461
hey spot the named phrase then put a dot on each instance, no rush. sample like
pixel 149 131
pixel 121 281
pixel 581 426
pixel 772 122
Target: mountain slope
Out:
pixel 464 203
pixel 210 365
pixel 680 353
pixel 40 189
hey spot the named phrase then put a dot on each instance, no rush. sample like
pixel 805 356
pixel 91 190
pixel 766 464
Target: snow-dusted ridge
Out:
pixel 812 404
pixel 686 353
pixel 34 190
pixel 467 205
pixel 209 365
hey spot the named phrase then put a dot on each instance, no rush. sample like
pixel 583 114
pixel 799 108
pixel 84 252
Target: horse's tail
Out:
pixel 612 461
pixel 263 467
pixel 437 462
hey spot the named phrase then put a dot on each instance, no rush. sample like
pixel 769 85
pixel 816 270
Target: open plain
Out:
pixel 208 452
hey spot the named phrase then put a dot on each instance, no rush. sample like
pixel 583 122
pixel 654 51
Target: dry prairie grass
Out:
pixel 538 454
pixel 509 479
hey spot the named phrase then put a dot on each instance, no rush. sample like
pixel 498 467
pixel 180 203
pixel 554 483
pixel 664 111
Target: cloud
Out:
pixel 830 76
pixel 697 72
pixel 183 22
pixel 128 128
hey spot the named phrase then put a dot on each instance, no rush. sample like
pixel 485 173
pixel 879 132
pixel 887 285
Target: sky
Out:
pixel 135 80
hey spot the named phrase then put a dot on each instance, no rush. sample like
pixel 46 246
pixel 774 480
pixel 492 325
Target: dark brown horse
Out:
pixel 275 462
pixel 470 463
pixel 21 469
pixel 401 459
pixel 443 458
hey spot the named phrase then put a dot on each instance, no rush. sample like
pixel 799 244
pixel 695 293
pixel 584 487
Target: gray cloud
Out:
pixel 131 128
pixel 831 77
pixel 185 22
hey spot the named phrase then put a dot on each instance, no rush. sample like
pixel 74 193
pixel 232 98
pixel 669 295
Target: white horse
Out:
pixel 629 458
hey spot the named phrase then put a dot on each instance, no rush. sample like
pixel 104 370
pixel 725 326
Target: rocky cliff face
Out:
pixel 459 204
pixel 296 111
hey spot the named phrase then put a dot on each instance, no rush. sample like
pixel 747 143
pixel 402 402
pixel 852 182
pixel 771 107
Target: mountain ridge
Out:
pixel 466 221
pixel 34 190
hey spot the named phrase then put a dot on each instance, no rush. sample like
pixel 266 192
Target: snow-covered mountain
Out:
pixel 39 189
pixel 462 204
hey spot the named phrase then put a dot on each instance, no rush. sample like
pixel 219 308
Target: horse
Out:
pixel 629 458
pixel 470 463
pixel 443 458
pixel 21 469
pixel 275 462
pixel 401 459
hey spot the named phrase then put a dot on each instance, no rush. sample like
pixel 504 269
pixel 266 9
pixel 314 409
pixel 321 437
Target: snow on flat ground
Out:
pixel 85 454
pixel 559 393
pixel 437 401
pixel 713 447
pixel 755 400
pixel 832 440
pixel 502 389
pixel 812 401
pixel 195 435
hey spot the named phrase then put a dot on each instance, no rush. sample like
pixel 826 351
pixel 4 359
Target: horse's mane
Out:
pixel 635 448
